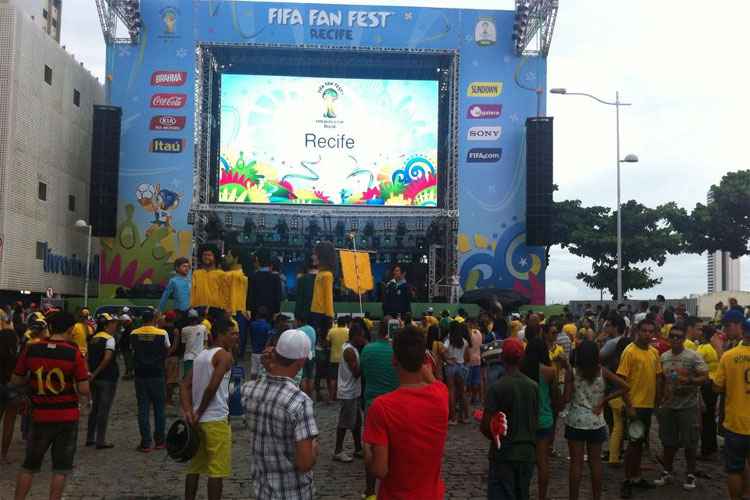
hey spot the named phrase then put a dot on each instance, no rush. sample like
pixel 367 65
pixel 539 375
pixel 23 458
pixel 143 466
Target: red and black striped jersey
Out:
pixel 53 367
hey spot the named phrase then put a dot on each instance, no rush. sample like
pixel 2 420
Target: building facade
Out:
pixel 723 272
pixel 46 112
pixel 47 14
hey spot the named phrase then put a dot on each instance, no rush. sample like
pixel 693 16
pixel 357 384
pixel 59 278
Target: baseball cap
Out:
pixel 107 317
pixel 37 324
pixel 429 310
pixel 125 317
pixel 294 344
pixel 170 315
pixel 513 350
pixel 192 313
pixel 733 316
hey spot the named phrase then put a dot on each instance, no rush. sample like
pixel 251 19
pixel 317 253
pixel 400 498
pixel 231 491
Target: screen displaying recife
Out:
pixel 336 141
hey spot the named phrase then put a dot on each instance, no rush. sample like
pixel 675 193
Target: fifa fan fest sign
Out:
pixel 342 136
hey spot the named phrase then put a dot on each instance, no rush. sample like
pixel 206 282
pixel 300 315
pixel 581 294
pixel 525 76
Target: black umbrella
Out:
pixel 495 300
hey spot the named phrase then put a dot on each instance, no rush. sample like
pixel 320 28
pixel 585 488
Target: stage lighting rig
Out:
pixel 533 26
pixel 127 12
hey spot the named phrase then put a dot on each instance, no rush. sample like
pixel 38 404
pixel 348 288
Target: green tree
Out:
pixel 723 224
pixel 648 237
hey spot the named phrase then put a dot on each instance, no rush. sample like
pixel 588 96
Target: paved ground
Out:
pixel 122 473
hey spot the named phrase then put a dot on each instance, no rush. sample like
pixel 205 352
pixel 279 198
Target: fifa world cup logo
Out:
pixel 329 97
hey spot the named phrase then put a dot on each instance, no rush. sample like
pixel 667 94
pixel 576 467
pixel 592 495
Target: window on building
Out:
pixel 42 191
pixel 56 3
pixel 45 14
pixel 40 248
pixel 71 203
pixel 76 98
pixel 48 74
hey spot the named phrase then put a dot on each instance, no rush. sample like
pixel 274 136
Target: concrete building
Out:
pixel 47 14
pixel 46 113
pixel 723 272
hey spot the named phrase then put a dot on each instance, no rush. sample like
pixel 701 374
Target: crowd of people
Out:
pixel 399 384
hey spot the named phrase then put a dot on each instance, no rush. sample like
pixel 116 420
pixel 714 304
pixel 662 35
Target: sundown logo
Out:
pixel 485 89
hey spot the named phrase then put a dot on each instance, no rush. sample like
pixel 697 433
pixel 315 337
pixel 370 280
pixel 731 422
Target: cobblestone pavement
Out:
pixel 122 473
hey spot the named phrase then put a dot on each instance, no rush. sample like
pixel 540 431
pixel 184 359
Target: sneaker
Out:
pixel 663 479
pixel 342 457
pixel 643 484
pixel 452 422
pixel 689 483
pixel 144 449
pixel 627 489
pixel 358 454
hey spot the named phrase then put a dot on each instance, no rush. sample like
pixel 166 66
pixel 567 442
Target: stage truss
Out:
pixel 384 220
pixel 533 27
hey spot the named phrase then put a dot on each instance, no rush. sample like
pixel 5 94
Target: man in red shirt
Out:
pixel 57 373
pixel 405 430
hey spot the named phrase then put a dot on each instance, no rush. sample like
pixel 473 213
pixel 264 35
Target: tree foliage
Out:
pixel 648 237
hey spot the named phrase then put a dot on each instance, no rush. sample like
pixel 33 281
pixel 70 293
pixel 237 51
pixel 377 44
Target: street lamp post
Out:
pixel 628 159
pixel 80 223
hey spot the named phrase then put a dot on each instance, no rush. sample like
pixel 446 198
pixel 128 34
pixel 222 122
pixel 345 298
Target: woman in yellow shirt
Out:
pixel 321 306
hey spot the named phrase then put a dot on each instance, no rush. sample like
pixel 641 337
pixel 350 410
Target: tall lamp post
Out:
pixel 82 224
pixel 628 159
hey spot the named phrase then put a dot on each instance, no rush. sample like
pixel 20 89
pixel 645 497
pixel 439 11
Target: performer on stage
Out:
pixel 208 280
pixel 397 294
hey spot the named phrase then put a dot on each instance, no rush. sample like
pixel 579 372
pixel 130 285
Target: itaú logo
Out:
pixel 168 78
pixel 161 145
pixel 168 100
pixel 167 122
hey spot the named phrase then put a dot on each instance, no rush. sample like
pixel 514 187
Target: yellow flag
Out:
pixel 356 270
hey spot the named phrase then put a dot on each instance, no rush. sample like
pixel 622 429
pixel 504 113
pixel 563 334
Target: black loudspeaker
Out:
pixel 538 180
pixel 105 171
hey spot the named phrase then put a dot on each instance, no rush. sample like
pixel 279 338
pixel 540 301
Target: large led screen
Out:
pixel 337 141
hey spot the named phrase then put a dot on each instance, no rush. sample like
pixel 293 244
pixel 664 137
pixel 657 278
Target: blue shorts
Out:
pixel 475 376
pixel 736 451
pixel 593 436
pixel 456 370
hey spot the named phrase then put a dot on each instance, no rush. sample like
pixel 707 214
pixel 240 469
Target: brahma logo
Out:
pixel 162 145
pixel 484 111
pixel 484 133
pixel 485 89
pixel 167 122
pixel 168 100
pixel 168 78
pixel 484 155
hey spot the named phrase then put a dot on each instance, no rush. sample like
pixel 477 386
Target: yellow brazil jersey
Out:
pixel 732 376
pixel 235 290
pixel 689 344
pixel 80 336
pixel 337 337
pixel 639 367
pixel 711 358
pixel 207 289
pixel 322 299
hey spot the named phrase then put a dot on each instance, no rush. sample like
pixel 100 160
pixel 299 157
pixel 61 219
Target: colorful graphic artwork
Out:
pixel 330 141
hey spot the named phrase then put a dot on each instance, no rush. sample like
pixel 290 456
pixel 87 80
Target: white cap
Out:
pixel 294 344
pixel 125 317
pixel 192 313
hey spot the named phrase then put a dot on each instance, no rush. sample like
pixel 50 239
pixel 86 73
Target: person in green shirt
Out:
pixel 376 363
pixel 517 396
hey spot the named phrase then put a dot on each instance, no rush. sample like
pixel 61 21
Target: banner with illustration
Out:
pixel 153 81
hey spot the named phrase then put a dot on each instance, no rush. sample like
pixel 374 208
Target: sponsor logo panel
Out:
pixel 172 101
pixel 165 145
pixel 484 111
pixel 168 78
pixel 167 122
pixel 485 89
pixel 484 155
pixel 484 133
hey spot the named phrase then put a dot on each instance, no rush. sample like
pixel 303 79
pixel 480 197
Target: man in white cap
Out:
pixel 283 431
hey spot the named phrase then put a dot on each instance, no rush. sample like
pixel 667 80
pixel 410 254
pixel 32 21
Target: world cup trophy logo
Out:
pixel 330 96
pixel 169 19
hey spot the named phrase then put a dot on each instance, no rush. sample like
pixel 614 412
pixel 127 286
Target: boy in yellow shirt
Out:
pixel 731 379
pixel 336 338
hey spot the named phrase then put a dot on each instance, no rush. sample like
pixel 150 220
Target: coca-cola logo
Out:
pixel 167 122
pixel 168 78
pixel 168 100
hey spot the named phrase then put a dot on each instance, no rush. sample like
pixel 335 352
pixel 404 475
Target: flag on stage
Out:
pixel 356 271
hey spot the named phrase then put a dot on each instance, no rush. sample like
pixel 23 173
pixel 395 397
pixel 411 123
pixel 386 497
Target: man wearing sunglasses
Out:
pixel 683 372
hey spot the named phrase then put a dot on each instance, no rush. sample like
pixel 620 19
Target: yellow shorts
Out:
pixel 214 456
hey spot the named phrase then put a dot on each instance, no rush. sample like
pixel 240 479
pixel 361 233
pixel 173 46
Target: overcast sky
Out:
pixel 687 122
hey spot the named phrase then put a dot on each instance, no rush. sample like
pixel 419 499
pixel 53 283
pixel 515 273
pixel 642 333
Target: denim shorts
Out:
pixel 736 451
pixel 593 436
pixel 456 370
pixel 475 376
pixel 61 436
